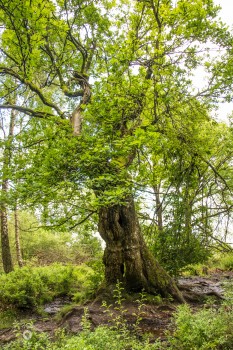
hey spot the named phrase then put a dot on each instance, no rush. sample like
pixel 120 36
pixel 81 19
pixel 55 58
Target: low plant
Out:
pixel 117 312
pixel 7 317
pixel 206 329
pixel 102 338
pixel 30 287
pixel 226 261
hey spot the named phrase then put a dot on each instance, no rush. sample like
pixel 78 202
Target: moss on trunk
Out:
pixel 126 256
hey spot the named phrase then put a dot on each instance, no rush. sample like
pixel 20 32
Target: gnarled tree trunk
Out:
pixel 126 256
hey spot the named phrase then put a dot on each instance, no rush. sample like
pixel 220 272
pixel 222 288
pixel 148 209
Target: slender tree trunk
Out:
pixel 126 256
pixel 17 239
pixel 188 214
pixel 5 244
pixel 159 209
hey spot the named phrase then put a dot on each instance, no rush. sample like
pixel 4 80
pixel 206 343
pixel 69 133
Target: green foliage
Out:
pixel 218 261
pixel 7 318
pixel 145 124
pixel 196 269
pixel 30 287
pixel 186 235
pixel 30 340
pixel 118 320
pixel 116 337
pixel 175 252
pixel 102 338
pixel 41 246
pixel 204 330
pixel 98 276
pixel 226 261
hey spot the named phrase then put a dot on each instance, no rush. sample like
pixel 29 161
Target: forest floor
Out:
pixel 155 319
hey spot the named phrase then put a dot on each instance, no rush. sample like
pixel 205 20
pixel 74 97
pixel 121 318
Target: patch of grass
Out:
pixel 7 318
pixel 226 261
pixel 195 270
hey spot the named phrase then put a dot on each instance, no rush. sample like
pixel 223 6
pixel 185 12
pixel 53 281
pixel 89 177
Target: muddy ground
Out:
pixel 156 319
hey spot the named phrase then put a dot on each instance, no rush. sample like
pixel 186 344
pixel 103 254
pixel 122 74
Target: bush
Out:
pixel 204 330
pixel 174 255
pixel 32 286
pixel 226 261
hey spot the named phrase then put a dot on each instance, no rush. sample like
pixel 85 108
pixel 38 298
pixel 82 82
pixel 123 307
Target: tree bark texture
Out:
pixel 159 209
pixel 126 257
pixel 17 239
pixel 5 244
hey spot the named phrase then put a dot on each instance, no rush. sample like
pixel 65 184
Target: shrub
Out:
pixel 204 330
pixel 226 261
pixel 32 286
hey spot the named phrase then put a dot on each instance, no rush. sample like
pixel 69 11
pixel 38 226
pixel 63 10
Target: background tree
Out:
pixel 6 162
pixel 194 194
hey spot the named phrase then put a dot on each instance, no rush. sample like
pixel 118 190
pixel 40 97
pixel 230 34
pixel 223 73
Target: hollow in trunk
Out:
pixel 126 257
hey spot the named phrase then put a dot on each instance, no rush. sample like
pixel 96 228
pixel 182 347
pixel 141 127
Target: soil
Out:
pixel 156 319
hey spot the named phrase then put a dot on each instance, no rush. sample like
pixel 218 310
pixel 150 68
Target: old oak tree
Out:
pixel 99 82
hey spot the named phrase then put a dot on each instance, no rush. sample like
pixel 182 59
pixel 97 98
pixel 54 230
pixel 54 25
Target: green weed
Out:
pixel 206 329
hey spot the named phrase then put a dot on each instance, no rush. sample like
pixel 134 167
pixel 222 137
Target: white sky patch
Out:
pixel 226 11
pixel 225 109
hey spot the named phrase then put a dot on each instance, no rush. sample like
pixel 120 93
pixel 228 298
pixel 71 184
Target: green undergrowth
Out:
pixel 217 262
pixel 30 287
pixel 209 328
pixel 7 318
pixel 206 329
pixel 103 338
pixel 226 261
pixel 115 336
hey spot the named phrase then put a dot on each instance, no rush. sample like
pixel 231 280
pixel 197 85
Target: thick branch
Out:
pixel 32 87
pixel 77 113
pixel 28 111
pixel 69 93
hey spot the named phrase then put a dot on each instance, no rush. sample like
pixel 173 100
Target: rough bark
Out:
pixel 5 244
pixel 159 209
pixel 126 256
pixel 188 214
pixel 77 115
pixel 17 239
